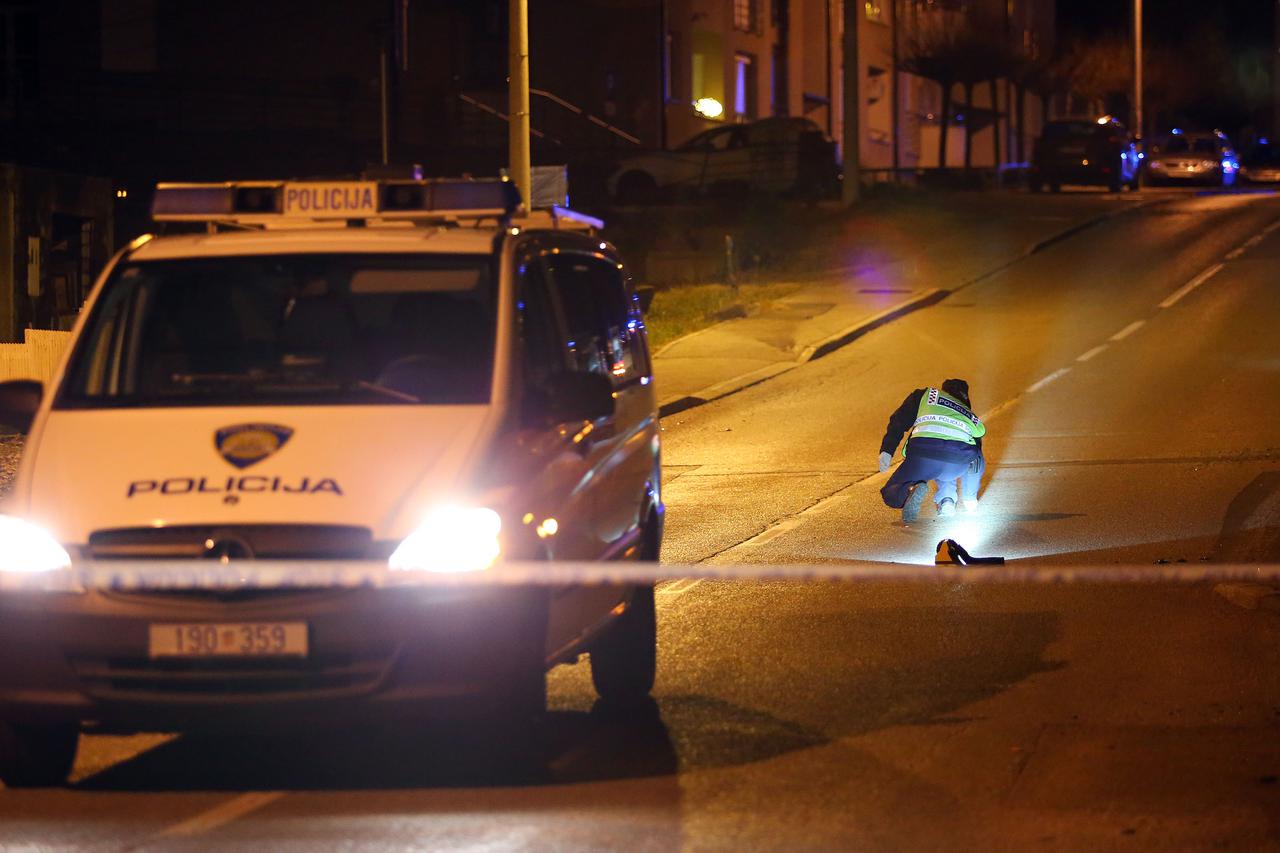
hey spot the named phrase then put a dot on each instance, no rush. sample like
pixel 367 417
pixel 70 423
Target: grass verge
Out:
pixel 677 311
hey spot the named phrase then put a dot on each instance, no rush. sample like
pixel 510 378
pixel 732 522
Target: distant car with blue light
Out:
pixel 1206 159
pixel 1089 152
pixel 1261 164
pixel 413 377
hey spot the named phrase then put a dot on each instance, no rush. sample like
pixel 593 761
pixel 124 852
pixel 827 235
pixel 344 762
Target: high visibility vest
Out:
pixel 943 416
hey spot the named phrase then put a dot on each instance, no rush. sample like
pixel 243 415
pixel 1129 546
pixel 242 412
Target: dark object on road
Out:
pixel 951 554
pixel 1099 152
pixel 944 443
pixel 1193 158
pixel 781 155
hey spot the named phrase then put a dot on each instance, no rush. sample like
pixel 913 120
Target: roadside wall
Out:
pixel 36 357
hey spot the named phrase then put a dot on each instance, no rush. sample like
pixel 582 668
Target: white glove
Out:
pixel 885 461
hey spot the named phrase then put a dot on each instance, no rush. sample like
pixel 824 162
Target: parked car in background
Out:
pixel 1193 158
pixel 1093 152
pixel 782 155
pixel 1261 165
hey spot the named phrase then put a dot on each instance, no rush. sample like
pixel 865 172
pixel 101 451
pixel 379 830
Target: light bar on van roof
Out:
pixel 266 201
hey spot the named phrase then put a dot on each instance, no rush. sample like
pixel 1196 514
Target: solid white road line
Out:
pixel 1091 353
pixel 1173 298
pixel 1235 253
pixel 1253 241
pixel 1043 382
pixel 219 815
pixel 1128 330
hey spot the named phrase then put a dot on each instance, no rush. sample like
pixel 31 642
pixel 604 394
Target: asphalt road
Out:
pixel 1132 420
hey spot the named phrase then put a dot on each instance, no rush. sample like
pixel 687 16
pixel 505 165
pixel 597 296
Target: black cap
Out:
pixel 956 388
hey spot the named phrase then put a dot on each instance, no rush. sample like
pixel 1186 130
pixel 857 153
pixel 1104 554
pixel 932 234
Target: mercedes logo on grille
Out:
pixel 225 547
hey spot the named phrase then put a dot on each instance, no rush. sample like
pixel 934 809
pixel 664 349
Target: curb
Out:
pixel 827 345
pixel 1068 233
pixel 846 336
pixel 830 344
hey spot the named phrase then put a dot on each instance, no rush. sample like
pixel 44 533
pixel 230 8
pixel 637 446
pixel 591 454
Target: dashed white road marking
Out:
pixel 1273 226
pixel 997 409
pixel 1253 241
pixel 1235 253
pixel 1091 353
pixel 678 588
pixel 1128 330
pixel 224 813
pixel 1174 297
pixel 1045 381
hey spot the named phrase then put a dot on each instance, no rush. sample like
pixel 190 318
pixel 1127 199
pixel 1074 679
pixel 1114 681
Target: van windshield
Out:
pixel 318 329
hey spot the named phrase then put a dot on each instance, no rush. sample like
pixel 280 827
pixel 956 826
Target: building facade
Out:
pixel 748 59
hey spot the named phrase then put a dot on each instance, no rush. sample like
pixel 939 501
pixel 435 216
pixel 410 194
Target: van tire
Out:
pixel 624 661
pixel 37 756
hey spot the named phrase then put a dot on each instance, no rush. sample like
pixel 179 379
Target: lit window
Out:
pixel 745 15
pixel 744 92
pixel 875 12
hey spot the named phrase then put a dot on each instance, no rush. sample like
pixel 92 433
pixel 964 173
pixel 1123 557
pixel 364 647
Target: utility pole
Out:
pixel 392 59
pixel 893 90
pixel 518 99
pixel 1137 69
pixel 851 141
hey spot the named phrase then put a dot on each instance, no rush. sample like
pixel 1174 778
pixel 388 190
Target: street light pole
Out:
pixel 851 137
pixel 1137 69
pixel 518 99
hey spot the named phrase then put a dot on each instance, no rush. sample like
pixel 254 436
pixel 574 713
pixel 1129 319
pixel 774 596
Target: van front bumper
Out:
pixel 374 654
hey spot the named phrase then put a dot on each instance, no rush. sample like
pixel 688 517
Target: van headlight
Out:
pixel 27 548
pixel 451 539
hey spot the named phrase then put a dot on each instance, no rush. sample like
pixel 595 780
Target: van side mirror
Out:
pixel 573 397
pixel 19 402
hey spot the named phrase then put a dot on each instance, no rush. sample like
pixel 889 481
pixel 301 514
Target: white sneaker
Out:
pixel 947 508
pixel 970 507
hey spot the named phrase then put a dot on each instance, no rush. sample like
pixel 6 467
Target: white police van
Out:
pixel 403 374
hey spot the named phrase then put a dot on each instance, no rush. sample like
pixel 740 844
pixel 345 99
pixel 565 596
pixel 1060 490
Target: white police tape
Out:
pixel 135 575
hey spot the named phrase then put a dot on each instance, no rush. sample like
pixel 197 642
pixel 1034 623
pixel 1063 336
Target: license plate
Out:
pixel 227 639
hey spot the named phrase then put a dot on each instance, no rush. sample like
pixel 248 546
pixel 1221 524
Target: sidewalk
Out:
pixel 890 262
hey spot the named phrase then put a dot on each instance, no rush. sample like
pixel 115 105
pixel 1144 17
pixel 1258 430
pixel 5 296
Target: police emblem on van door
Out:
pixel 244 444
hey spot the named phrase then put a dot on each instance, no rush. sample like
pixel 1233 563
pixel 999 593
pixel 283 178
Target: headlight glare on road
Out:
pixel 451 539
pixel 27 548
pixel 1208 164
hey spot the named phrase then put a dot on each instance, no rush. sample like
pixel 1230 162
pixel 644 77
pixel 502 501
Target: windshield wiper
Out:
pixel 385 391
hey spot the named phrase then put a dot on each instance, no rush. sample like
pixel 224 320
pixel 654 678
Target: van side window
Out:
pixel 544 356
pixel 601 321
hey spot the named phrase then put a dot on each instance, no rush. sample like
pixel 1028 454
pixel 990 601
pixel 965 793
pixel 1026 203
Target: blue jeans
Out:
pixel 970 481
pixel 936 459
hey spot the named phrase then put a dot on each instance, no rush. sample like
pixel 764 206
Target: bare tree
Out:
pixel 962 54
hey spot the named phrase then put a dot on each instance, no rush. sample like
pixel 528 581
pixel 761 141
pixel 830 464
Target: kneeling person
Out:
pixel 944 443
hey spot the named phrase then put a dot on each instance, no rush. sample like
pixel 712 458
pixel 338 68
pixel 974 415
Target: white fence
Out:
pixel 36 358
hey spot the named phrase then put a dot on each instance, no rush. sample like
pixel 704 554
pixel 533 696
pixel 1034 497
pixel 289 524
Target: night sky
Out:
pixel 1243 22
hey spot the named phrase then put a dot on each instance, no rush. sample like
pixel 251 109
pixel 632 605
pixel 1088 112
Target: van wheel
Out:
pixel 624 661
pixel 37 756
